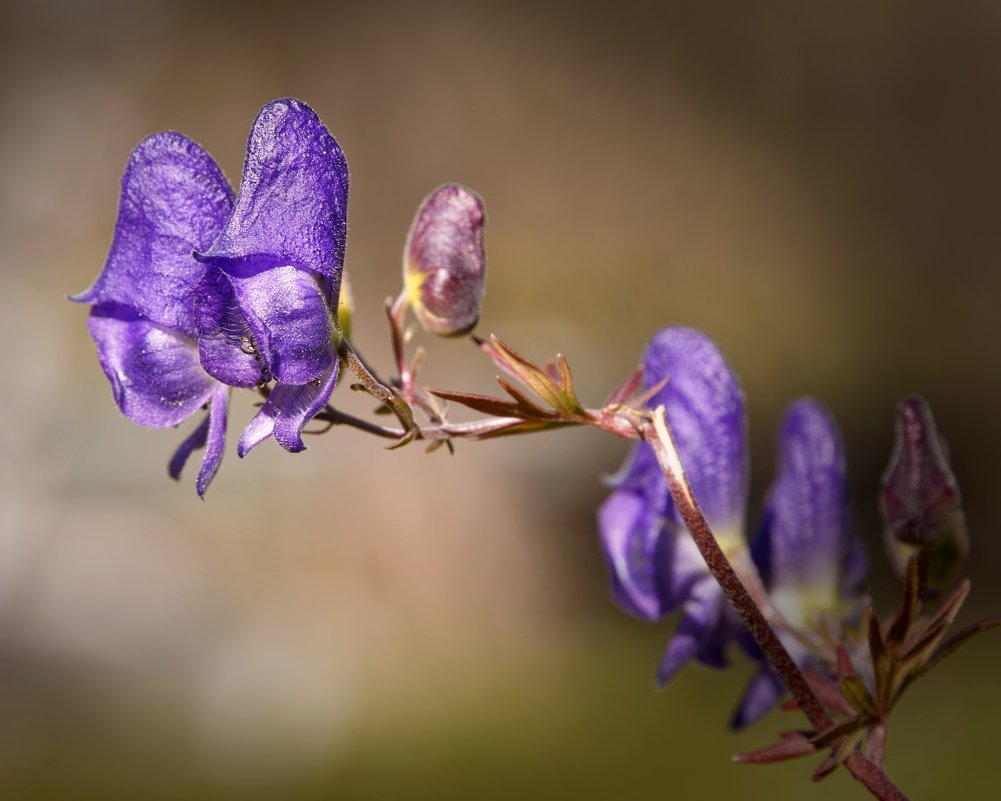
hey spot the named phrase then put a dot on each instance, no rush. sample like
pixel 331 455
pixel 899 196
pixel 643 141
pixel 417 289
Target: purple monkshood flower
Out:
pixel 656 567
pixel 806 549
pixel 201 293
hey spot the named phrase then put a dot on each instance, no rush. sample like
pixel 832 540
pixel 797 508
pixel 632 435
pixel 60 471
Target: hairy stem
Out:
pixel 657 434
pixel 473 430
pixel 378 389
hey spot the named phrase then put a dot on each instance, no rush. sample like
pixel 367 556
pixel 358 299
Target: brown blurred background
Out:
pixel 816 185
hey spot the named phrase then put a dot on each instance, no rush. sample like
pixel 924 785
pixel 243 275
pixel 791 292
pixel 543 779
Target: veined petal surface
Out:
pixel 806 546
pixel 174 200
pixel 292 325
pixel 155 374
pixel 705 409
pixel 292 206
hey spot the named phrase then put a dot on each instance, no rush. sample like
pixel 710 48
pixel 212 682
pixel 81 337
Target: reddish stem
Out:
pixel 657 434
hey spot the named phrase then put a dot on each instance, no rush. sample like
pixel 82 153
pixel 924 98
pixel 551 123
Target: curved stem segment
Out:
pixel 657 434
pixel 379 390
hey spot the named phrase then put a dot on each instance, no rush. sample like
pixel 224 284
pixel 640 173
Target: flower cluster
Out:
pixel 808 557
pixel 202 292
pixel 205 290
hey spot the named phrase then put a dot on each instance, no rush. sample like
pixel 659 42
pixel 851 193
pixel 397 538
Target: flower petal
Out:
pixel 680 566
pixel 155 374
pixel 698 633
pixel 288 408
pixel 195 440
pixel 174 200
pixel 761 695
pixel 211 435
pixel 806 537
pixel 292 324
pixel 705 409
pixel 225 342
pixel 629 536
pixel 292 207
pixel 215 444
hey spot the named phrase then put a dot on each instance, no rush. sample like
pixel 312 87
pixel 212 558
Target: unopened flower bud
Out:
pixel 920 502
pixel 445 263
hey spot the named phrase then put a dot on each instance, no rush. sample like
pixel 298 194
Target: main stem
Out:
pixel 657 434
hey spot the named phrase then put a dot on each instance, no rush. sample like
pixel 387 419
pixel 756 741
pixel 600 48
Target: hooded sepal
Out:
pixel 174 200
pixel 292 207
pixel 806 550
pixel 704 405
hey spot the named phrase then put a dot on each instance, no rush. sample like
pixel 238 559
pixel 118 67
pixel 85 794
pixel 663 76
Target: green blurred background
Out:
pixel 816 185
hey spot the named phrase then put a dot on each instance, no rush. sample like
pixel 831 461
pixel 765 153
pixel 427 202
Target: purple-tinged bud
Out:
pixel 920 502
pixel 444 263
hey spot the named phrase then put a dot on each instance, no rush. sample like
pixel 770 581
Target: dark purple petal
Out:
pixel 629 535
pixel 445 263
pixel 760 697
pixel 699 633
pixel 215 443
pixel 292 207
pixel 291 324
pixel 174 200
pixel 806 539
pixel 155 374
pixel 287 409
pixel 225 343
pixel 705 409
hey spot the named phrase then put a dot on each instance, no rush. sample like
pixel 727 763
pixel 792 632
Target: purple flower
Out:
pixel 281 253
pixel 655 565
pixel 174 200
pixel 200 294
pixel 445 264
pixel 806 550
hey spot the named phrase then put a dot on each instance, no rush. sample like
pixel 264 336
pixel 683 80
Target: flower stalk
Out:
pixel 656 433
pixel 207 291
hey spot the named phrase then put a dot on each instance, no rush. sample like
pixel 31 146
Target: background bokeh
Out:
pixel 816 185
